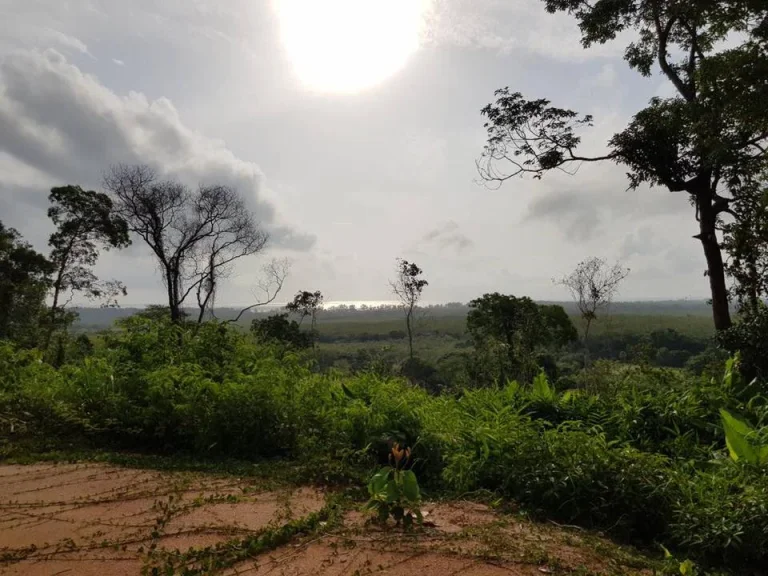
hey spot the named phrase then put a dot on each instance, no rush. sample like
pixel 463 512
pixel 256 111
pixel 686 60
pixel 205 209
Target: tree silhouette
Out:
pixel 408 286
pixel 593 284
pixel 709 141
pixel 195 236
pixel 85 223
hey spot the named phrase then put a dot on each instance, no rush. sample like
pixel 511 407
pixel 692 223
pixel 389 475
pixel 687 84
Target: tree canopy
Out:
pixel 709 140
pixel 85 223
pixel 508 331
pixel 24 282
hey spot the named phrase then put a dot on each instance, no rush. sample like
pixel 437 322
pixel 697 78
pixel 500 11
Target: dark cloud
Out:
pixel 448 235
pixel 583 214
pixel 67 125
pixel 575 214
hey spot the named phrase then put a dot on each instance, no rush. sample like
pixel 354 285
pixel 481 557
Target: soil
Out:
pixel 91 519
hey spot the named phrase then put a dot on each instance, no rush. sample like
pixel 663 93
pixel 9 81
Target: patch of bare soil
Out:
pixel 88 519
pixel 81 519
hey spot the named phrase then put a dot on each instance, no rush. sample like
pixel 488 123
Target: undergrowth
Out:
pixel 641 455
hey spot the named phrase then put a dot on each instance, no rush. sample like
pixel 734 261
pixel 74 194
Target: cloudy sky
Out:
pixel 351 126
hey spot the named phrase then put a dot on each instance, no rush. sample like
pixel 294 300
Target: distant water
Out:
pixel 359 303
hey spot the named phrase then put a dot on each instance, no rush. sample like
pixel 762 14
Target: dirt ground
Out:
pixel 89 519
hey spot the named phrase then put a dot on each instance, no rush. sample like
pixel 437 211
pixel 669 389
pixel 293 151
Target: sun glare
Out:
pixel 349 45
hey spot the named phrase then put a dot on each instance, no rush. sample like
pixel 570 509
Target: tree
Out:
pixel 593 284
pixel 508 331
pixel 277 328
pixel 708 141
pixel 196 236
pixel 306 305
pixel 85 222
pixel 746 241
pixel 408 286
pixel 24 283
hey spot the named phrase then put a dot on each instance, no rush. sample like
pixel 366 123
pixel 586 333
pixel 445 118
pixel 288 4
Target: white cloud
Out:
pixel 118 62
pixel 511 26
pixel 68 125
pixel 58 39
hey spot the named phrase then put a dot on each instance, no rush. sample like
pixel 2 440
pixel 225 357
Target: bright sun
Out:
pixel 349 45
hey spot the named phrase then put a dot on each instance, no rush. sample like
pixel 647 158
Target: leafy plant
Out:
pixel 743 441
pixel 394 491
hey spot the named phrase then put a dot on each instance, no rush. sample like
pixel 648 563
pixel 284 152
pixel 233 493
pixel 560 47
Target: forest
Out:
pixel 646 423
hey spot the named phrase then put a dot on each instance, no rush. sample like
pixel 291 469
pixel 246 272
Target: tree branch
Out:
pixel 276 272
pixel 663 33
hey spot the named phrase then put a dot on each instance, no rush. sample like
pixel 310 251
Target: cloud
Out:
pixel 118 62
pixel 511 26
pixel 64 124
pixel 65 41
pixel 602 203
pixel 447 236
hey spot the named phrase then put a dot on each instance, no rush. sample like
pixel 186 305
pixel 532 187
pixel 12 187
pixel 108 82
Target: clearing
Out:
pixel 94 519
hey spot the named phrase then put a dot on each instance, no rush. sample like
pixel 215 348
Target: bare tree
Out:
pixel 196 236
pixel 593 284
pixel 269 285
pixel 408 287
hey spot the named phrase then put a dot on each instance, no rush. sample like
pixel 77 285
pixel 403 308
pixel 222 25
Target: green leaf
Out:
pixel 393 494
pixel 541 387
pixel 378 482
pixel 687 568
pixel 763 455
pixel 411 486
pixel 736 433
pixel 348 392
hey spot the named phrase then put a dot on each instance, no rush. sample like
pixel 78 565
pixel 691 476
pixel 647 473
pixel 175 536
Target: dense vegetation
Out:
pixel 637 451
pixel 655 432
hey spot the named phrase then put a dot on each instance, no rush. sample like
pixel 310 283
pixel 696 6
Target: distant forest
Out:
pixel 97 318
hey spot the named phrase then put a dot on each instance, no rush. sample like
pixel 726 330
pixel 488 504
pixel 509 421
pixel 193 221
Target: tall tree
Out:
pixel 408 286
pixel 196 236
pixel 707 141
pixel 85 223
pixel 593 284
pixel 306 305
pixel 24 283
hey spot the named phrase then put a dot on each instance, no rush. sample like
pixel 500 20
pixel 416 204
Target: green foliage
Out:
pixel 394 491
pixel 743 440
pixel 508 331
pixel 278 329
pixel 85 221
pixel 24 282
pixel 748 337
pixel 640 453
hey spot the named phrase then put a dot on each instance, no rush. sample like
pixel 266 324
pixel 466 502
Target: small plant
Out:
pixel 674 566
pixel 395 491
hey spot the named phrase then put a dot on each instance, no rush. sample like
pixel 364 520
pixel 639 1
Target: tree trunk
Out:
pixel 172 304
pixel 410 331
pixel 715 269
pixel 586 342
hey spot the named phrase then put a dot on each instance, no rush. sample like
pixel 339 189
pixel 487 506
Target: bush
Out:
pixel 637 451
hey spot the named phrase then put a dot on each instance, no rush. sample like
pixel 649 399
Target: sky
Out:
pixel 351 127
